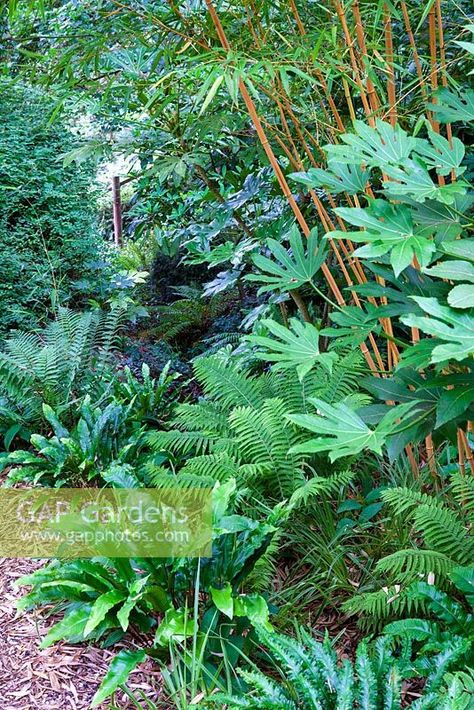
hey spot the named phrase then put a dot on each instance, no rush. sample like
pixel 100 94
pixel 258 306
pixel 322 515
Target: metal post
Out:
pixel 117 209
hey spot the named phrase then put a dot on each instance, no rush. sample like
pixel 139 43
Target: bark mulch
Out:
pixel 62 677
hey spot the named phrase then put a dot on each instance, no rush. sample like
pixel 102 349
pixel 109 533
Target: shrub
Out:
pixel 47 223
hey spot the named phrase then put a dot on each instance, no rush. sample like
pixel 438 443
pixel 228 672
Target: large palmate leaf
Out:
pixel 380 146
pixel 287 271
pixel 339 177
pixel 455 329
pixel 414 181
pixel 451 107
pixel 443 155
pixel 387 228
pixel 354 324
pixel 462 296
pixel 455 270
pixel 343 431
pixel 462 248
pixel 297 346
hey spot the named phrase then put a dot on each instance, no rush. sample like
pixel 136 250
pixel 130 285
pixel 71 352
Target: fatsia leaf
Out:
pixel 453 269
pixel 456 329
pixel 453 403
pixel 380 146
pixel 413 180
pixel 339 177
pixel 462 296
pixel 343 431
pixel 287 271
pixel 386 228
pixel 354 323
pixel 443 155
pixel 453 108
pixel 463 248
pixel 122 665
pixel 296 346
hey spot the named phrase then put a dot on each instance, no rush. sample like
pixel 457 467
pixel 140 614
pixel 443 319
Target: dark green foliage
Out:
pixel 70 358
pixel 47 221
pixel 313 678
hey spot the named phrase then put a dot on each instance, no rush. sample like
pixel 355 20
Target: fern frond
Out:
pixel 405 565
pixel 320 486
pixel 405 500
pixel 205 416
pixel 227 384
pixel 264 437
pixel 444 532
pixel 382 604
pixel 221 465
pixel 463 491
pixel 180 442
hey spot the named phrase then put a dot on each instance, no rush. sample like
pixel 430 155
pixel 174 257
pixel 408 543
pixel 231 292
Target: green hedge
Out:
pixel 48 231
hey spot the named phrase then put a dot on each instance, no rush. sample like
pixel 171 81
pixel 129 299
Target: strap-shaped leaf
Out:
pixel 297 346
pixel 289 270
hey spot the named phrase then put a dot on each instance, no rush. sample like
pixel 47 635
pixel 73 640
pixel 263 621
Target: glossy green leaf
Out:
pixel 287 271
pixel 119 670
pixel 456 329
pixel 343 432
pixel 223 600
pixel 101 607
pixel 296 346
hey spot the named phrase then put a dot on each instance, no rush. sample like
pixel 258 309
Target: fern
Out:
pixel 407 564
pixel 55 366
pixel 313 678
pixel 264 438
pixel 444 539
pixel 227 384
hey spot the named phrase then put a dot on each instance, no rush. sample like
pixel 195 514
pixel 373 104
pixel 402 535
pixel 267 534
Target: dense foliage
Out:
pixel 48 220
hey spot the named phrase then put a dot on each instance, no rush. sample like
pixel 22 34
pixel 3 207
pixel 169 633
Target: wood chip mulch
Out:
pixel 62 677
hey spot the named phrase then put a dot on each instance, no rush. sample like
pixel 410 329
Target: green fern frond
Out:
pixel 463 491
pixel 202 416
pixel 444 532
pixel 405 565
pixel 227 384
pixel 382 604
pixel 264 437
pixel 180 442
pixel 405 500
pixel 319 486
